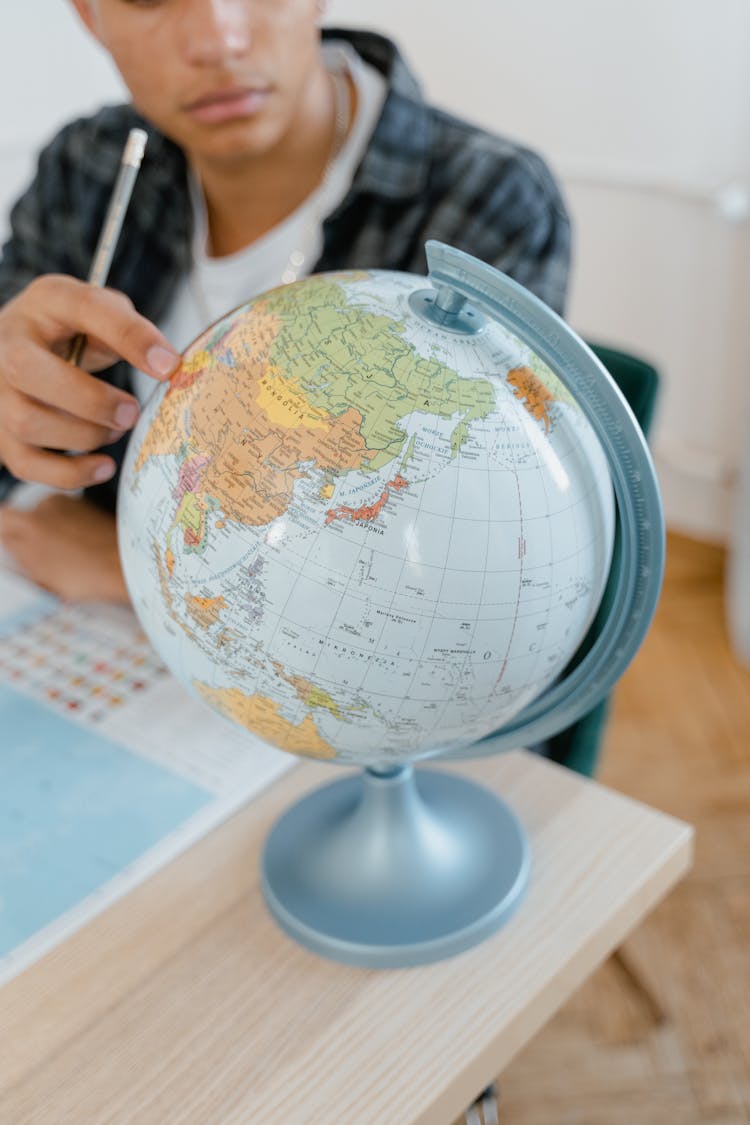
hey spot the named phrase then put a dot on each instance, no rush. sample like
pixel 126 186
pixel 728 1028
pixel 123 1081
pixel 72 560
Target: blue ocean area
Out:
pixel 75 809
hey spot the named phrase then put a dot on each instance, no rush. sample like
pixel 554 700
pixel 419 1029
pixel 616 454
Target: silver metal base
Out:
pixel 391 869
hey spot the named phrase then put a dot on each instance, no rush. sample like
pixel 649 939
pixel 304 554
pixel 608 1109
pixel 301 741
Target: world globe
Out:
pixel 368 521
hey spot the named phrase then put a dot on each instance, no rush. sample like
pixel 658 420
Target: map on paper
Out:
pixel 108 767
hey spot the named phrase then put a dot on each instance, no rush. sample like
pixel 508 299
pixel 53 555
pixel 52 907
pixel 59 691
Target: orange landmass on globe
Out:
pixel 367 511
pixel 261 715
pixel 204 611
pixel 531 390
pixel 164 575
pixel 166 592
pixel 255 425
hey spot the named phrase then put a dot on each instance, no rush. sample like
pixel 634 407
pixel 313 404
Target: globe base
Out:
pixel 388 869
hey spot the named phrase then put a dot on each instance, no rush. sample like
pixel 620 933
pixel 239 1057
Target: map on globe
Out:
pixel 356 534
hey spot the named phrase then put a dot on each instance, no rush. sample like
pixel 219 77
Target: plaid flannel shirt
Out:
pixel 426 174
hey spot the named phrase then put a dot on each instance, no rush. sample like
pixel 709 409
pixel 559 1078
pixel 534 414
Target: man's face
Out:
pixel 223 79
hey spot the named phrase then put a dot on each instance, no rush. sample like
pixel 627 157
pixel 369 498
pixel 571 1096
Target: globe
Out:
pixel 367 521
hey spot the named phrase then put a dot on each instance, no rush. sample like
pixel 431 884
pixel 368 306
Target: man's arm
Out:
pixel 48 407
pixel 53 416
pixel 67 546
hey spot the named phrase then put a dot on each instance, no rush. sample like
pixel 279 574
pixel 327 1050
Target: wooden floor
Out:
pixel 661 1033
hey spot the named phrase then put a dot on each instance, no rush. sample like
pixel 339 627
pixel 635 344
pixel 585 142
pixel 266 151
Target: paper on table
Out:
pixel 108 766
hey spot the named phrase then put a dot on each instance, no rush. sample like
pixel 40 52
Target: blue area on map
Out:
pixel 75 809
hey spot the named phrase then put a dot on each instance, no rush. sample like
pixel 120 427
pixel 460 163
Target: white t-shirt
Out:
pixel 214 286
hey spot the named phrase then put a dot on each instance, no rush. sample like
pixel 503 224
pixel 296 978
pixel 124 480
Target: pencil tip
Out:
pixel 135 147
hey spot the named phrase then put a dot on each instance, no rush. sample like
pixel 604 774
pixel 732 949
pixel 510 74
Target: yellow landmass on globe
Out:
pixel 191 519
pixel 308 692
pixel 261 715
pixel 317 697
pixel 285 405
pixel 191 367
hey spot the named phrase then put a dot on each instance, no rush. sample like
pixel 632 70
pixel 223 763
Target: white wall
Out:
pixel 642 108
pixel 52 71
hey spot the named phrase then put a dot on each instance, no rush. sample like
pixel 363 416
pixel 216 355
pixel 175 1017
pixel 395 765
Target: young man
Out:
pixel 273 152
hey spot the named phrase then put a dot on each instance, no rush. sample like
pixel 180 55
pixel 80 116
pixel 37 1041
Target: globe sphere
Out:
pixel 362 535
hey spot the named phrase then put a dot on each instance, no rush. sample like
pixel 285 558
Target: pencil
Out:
pixel 105 248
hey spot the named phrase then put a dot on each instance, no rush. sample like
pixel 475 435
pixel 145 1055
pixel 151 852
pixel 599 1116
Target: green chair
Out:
pixel 578 747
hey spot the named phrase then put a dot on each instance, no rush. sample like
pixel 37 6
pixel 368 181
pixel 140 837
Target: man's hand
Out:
pixel 47 404
pixel 68 546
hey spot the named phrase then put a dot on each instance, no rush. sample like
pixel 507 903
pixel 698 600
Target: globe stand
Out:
pixel 391 868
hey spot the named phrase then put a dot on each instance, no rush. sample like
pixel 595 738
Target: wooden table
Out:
pixel 184 1002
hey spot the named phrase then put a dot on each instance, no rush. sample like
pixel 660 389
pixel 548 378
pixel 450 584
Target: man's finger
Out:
pixel 63 307
pixel 32 423
pixel 34 372
pixel 55 469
